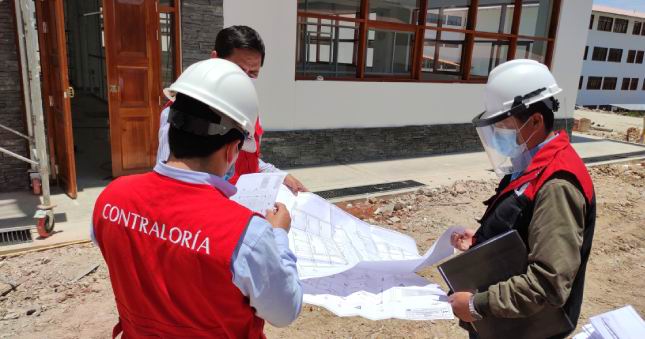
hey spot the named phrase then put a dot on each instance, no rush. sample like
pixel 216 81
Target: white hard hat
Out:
pixel 517 83
pixel 223 86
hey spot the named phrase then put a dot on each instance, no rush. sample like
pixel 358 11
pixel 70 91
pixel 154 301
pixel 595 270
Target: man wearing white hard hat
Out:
pixel 185 260
pixel 243 46
pixel 545 193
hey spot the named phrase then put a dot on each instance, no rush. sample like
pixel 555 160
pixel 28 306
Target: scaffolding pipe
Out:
pixel 25 83
pixel 27 13
pixel 18 156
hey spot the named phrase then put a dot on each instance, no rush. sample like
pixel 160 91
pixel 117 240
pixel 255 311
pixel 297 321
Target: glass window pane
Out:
pixel 326 48
pixel 620 26
pixel 605 23
pixel 615 55
pixel 453 14
pixel 389 52
pixel 536 17
pixel 495 16
pixel 487 54
pixel 442 55
pixel 401 11
pixel 631 55
pixel 345 8
pixel 535 50
pixel 168 3
pixel 634 84
pixel 609 83
pixel 594 82
pixel 167 45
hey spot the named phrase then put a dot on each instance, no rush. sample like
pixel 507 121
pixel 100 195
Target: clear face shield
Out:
pixel 505 137
pixel 505 147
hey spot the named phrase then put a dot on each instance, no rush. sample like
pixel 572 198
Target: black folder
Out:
pixel 493 261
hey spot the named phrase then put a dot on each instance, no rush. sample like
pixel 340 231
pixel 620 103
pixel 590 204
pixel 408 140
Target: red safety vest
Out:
pixel 168 247
pixel 248 162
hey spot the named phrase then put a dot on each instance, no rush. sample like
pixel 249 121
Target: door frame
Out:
pixel 52 138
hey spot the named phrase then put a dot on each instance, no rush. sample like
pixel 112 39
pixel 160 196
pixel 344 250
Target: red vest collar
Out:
pixel 539 162
pixel 546 154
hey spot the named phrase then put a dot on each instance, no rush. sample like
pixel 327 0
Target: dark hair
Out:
pixel 542 108
pixel 187 145
pixel 243 37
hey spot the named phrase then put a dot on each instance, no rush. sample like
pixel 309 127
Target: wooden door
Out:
pixel 53 56
pixel 131 33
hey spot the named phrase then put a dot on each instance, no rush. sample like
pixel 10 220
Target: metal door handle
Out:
pixel 114 88
pixel 70 92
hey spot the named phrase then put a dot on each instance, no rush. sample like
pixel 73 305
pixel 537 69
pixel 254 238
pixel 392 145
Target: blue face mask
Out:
pixel 505 142
pixel 230 173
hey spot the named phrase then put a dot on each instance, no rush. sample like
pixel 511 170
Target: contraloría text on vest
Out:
pixel 152 228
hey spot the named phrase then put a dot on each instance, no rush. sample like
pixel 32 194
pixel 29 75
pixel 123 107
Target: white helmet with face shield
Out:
pixel 511 88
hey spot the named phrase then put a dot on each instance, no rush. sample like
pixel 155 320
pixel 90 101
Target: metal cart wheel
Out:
pixel 45 223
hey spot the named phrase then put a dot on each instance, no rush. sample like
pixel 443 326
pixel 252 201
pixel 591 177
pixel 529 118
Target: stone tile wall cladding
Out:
pixel 13 172
pixel 201 20
pixel 321 147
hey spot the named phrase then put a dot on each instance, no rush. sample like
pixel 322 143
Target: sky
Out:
pixel 638 5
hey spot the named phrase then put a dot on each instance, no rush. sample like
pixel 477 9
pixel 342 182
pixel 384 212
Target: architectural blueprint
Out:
pixel 378 296
pixel 353 268
pixel 327 240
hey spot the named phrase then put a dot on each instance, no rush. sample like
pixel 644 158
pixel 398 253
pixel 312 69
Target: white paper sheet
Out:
pixel 258 191
pixel 348 266
pixel 377 296
pixel 588 332
pixel 623 323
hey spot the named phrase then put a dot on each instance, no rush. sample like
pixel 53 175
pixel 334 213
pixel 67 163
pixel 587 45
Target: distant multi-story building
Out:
pixel 613 71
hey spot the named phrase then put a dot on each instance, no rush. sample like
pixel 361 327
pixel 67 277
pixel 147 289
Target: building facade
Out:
pixel 355 81
pixel 613 71
pixel 344 80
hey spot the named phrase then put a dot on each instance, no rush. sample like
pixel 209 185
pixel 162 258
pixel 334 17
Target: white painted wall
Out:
pixel 287 104
pixel 612 69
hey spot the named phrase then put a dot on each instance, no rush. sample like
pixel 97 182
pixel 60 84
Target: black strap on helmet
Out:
pixel 199 126
pixel 517 107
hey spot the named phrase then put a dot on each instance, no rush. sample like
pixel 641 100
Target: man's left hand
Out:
pixel 294 184
pixel 459 303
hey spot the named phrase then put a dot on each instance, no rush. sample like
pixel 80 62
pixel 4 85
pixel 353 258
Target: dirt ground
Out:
pixel 56 297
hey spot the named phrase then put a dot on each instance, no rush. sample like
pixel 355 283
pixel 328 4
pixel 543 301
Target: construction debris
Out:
pixel 610 125
pixel 584 125
pixel 85 272
pixel 5 288
pixel 633 134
